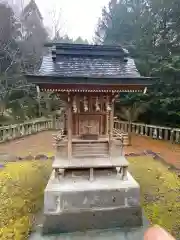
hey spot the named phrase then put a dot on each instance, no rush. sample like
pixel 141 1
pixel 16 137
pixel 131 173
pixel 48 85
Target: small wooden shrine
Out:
pixel 88 78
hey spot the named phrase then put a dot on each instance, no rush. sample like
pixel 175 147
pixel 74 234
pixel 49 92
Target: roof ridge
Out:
pixel 59 49
pixel 83 46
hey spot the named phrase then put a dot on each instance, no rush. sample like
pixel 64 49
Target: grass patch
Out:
pixel 160 192
pixel 21 196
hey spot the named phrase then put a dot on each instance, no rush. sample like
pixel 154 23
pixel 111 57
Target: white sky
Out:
pixel 79 17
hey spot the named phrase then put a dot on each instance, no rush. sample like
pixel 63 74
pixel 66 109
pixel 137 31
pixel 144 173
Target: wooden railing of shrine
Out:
pixel 155 132
pixel 119 134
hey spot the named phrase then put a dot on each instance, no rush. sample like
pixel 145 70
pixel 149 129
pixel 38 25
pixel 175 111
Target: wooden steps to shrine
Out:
pixel 89 155
pixel 90 149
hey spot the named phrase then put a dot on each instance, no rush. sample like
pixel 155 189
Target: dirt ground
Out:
pixel 169 152
pixel 42 143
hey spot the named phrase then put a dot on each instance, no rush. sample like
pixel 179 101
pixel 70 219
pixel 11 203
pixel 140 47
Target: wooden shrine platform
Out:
pixel 74 163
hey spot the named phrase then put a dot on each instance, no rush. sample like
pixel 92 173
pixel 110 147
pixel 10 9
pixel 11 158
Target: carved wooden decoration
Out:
pixel 108 108
pixel 58 137
pixel 74 105
pixel 85 104
pixel 97 104
pixel 69 98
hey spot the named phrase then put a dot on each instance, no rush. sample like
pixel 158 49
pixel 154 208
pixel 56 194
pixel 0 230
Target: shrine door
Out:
pixel 89 124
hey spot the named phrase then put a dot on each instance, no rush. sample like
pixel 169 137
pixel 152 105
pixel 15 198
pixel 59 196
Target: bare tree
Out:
pixel 131 113
pixel 14 35
pixel 56 22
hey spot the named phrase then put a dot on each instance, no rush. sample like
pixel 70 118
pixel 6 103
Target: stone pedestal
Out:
pixel 73 203
pixel 134 233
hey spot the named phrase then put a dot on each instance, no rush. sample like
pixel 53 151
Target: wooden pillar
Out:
pixel 107 117
pixel 77 115
pixel 69 120
pixel 102 127
pixel 111 126
pixel 107 123
pixel 112 118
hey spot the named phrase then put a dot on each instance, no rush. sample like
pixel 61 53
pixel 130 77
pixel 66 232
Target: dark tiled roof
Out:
pixel 83 60
pixel 86 66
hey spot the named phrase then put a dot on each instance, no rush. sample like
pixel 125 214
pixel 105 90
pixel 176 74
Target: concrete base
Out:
pixel 92 219
pixel 136 233
pixel 74 203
